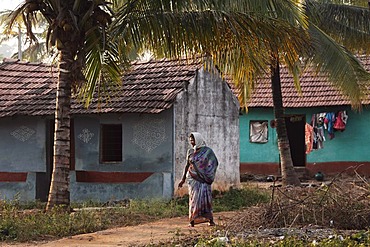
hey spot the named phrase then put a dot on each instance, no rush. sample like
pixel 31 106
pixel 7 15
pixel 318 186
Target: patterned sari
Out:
pixel 201 174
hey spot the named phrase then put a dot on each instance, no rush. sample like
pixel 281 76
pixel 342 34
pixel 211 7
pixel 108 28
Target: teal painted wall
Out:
pixel 350 145
pixel 257 152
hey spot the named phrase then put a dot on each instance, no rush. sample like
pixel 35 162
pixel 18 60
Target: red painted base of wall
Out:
pixel 328 168
pixel 260 168
pixel 111 177
pixel 333 168
pixel 13 176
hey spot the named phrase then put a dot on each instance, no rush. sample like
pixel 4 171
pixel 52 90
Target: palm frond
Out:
pixel 102 71
pixel 348 24
pixel 342 68
pixel 237 34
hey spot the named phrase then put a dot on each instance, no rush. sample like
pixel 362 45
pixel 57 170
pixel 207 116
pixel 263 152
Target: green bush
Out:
pixel 235 199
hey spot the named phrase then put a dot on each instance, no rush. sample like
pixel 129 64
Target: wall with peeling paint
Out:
pixel 208 106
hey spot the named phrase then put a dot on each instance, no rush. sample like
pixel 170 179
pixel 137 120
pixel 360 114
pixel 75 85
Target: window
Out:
pixel 111 143
pixel 258 131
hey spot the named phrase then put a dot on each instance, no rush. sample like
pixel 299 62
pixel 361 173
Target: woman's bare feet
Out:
pixel 211 223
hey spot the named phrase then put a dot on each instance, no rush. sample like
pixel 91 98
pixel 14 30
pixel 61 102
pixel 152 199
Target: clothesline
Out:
pixel 321 123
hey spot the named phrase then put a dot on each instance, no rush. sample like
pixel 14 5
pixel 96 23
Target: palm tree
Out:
pixel 332 24
pixel 77 30
pixel 11 33
pixel 348 25
pixel 36 50
pixel 327 22
pixel 243 52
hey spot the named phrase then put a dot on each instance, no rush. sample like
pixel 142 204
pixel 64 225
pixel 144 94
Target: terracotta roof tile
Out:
pixel 150 87
pixel 316 90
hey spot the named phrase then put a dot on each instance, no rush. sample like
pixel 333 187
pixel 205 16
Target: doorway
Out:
pixel 43 179
pixel 295 125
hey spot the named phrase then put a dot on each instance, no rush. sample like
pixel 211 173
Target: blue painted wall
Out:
pixel 147 147
pixel 22 144
pixel 22 149
pixel 159 185
pixel 154 155
pixel 350 145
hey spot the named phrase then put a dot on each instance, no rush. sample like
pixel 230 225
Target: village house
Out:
pixel 132 146
pixel 342 136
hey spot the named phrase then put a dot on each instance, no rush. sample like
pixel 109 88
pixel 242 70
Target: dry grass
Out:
pixel 342 203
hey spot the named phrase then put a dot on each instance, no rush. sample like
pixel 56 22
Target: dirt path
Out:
pixel 150 233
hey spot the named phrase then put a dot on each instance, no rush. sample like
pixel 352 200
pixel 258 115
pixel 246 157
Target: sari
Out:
pixel 201 174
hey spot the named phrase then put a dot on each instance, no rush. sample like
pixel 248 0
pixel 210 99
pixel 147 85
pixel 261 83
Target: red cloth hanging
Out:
pixel 339 124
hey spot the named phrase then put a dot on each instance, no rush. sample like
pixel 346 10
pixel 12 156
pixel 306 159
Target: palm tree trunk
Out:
pixel 289 176
pixel 59 188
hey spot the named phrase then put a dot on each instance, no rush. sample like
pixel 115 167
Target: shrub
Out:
pixel 339 205
pixel 235 199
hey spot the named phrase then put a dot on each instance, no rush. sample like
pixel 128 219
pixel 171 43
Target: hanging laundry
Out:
pixel 329 121
pixel 319 136
pixel 259 132
pixel 314 131
pixel 339 123
pixel 317 123
pixel 308 137
pixel 321 119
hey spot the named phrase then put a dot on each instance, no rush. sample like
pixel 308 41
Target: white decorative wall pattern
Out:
pixel 23 133
pixel 149 133
pixel 86 135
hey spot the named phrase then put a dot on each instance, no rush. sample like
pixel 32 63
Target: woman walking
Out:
pixel 200 171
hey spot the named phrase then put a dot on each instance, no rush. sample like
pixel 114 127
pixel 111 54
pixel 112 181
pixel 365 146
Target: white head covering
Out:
pixel 199 140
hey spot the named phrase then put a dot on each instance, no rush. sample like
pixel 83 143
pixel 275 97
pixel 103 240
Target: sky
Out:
pixel 9 47
pixel 9 4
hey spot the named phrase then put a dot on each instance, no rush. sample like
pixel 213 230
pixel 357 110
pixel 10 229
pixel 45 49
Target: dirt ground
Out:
pixel 146 234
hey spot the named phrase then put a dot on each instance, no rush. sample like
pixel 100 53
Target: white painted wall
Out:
pixel 207 105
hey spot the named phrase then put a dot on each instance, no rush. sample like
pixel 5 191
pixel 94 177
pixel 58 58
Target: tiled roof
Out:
pixel 27 88
pixel 316 90
pixel 150 87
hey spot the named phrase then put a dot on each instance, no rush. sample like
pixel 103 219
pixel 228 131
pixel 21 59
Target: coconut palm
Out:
pixel 328 22
pixel 12 33
pixel 36 50
pixel 77 30
pixel 244 52
pixel 329 57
